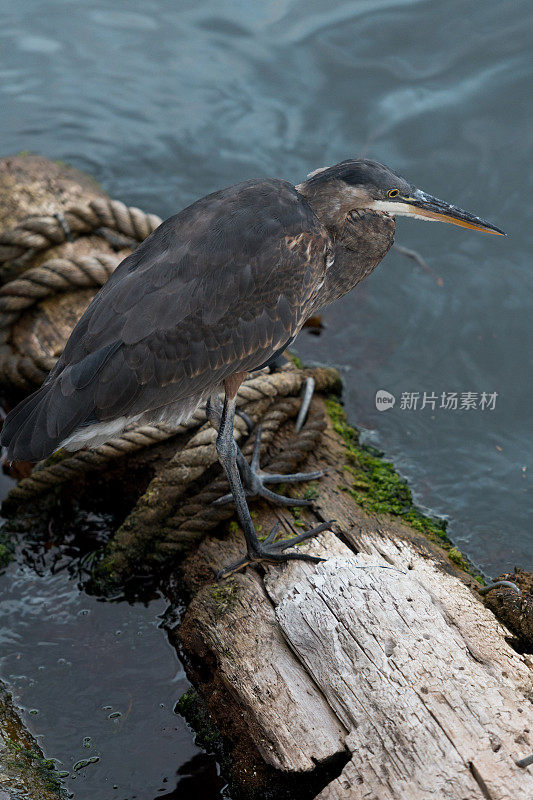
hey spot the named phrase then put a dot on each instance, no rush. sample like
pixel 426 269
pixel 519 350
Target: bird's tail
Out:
pixel 38 425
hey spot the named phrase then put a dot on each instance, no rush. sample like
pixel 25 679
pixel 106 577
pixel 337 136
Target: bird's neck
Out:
pixel 360 239
pixel 329 202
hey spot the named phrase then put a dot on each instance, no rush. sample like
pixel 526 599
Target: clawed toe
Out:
pixel 271 551
pixel 255 481
pixel 262 491
pixel 309 389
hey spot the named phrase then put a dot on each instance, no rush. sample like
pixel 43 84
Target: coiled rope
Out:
pixel 56 276
pixel 124 226
pixel 40 233
pixel 255 395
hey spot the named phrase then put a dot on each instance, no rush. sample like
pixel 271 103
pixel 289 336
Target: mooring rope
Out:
pixel 122 225
pixel 28 370
pixel 38 233
pixel 259 387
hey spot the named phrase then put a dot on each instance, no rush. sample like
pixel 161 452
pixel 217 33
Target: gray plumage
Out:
pixel 218 289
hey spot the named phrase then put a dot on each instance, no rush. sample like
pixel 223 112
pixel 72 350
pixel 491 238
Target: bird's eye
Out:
pixel 394 193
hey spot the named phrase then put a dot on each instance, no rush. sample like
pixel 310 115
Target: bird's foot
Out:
pixel 255 480
pixel 271 552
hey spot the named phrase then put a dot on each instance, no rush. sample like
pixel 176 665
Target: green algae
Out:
pixel 312 491
pixel 84 762
pixel 295 359
pixel 194 711
pixel 224 596
pixel 23 758
pixel 376 487
pixel 457 557
pixel 296 512
pixel 6 554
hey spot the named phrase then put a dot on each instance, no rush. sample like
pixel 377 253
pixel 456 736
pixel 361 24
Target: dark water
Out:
pixel 97 680
pixel 165 101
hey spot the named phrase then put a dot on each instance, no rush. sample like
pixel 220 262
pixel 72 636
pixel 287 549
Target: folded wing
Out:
pixel 216 289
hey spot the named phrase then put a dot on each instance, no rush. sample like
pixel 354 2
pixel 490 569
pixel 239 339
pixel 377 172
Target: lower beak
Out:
pixel 424 205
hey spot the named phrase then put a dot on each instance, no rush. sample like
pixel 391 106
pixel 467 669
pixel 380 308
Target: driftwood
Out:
pixel 379 673
pixel 381 660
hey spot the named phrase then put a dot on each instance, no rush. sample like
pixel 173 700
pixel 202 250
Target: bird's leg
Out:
pixel 253 478
pixel 269 551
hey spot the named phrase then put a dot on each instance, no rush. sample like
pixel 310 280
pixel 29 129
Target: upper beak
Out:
pixel 424 205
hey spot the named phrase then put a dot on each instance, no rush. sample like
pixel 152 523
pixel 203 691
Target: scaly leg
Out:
pixel 268 551
pixel 253 478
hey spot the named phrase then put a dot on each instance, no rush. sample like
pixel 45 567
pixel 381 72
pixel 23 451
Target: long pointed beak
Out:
pixel 425 205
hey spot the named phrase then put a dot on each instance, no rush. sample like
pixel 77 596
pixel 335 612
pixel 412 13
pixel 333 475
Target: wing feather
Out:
pixel 216 289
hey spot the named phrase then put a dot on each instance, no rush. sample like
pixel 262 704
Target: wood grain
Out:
pixel 384 652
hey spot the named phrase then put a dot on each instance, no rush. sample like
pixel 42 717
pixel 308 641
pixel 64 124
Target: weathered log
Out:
pixel 418 692
pixel 377 674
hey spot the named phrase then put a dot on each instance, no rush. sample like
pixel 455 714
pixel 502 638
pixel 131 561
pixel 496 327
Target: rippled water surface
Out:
pixel 96 681
pixel 166 101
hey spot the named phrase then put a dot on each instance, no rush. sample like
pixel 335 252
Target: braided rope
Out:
pixel 29 370
pixel 42 232
pixel 258 386
pixel 161 530
pixel 109 218
pixel 52 277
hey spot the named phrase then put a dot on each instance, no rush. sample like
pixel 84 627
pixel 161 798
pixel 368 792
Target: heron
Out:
pixel 219 290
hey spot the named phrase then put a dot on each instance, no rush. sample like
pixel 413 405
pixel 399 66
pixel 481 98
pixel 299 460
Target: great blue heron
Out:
pixel 218 290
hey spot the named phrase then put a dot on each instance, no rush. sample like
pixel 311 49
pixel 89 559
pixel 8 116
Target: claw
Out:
pixel 284 543
pixel 232 569
pixel 295 477
pixel 255 481
pixel 274 497
pixel 248 420
pixel 272 535
pixel 254 464
pixel 525 762
pixel 309 388
pixel 272 552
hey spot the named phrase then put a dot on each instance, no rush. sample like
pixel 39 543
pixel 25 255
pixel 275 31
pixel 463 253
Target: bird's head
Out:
pixel 361 184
